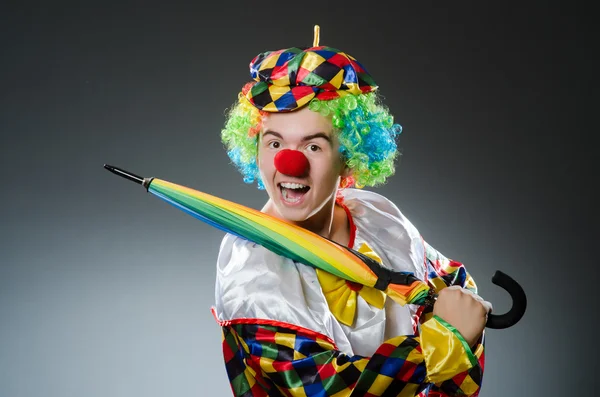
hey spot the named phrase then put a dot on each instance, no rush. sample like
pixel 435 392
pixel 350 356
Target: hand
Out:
pixel 464 310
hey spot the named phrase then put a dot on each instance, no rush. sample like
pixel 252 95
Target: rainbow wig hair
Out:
pixel 364 127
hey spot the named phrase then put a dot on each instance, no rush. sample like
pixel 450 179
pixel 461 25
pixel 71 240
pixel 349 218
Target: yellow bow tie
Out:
pixel 341 295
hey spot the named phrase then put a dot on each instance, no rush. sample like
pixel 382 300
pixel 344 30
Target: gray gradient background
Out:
pixel 106 290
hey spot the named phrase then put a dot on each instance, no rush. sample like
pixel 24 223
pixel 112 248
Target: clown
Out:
pixel 311 131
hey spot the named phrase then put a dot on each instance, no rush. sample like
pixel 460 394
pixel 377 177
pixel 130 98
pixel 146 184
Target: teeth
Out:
pixel 288 185
pixel 289 199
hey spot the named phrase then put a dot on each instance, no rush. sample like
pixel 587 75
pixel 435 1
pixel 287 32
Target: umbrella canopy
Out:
pixel 306 247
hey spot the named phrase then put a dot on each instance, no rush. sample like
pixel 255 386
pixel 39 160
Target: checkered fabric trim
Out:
pixel 467 383
pixel 288 79
pixel 443 272
pixel 263 360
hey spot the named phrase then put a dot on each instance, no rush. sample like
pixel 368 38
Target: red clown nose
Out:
pixel 291 162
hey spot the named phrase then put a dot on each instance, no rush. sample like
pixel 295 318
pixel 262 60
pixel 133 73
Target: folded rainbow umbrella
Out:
pixel 306 247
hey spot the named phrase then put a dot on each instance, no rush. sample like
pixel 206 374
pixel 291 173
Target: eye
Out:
pixel 274 145
pixel 313 148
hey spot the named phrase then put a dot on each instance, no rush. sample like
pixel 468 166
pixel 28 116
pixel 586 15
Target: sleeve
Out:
pixel 441 273
pixel 285 360
pixel 409 252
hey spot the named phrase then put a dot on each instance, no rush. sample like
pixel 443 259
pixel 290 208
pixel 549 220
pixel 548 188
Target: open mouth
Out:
pixel 293 192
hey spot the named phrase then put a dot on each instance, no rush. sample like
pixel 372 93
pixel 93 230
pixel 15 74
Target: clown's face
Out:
pixel 301 181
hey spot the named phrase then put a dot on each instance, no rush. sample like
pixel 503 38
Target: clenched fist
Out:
pixel 464 310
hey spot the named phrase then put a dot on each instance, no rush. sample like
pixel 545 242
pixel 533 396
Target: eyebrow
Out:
pixel 304 139
pixel 317 135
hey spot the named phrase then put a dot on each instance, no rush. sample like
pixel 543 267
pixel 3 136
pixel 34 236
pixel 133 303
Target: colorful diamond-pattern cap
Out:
pixel 288 79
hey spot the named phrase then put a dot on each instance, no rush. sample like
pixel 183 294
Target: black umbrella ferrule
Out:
pixel 145 182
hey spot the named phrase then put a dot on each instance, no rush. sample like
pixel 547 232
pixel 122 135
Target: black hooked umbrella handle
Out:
pixel 516 312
